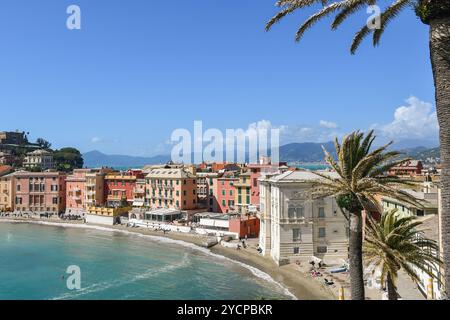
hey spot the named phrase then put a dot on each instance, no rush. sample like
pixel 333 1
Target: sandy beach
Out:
pixel 299 283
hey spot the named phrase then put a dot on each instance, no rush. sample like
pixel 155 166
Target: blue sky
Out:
pixel 139 69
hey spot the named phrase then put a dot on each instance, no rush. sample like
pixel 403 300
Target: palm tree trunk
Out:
pixel 440 58
pixel 392 291
pixel 355 257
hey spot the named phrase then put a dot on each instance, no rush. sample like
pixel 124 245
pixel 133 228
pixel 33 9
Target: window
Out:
pixel 230 203
pixel 193 191
pixel 239 199
pixel 18 187
pixel 184 192
pixel 296 235
pixel 295 212
pixel 55 201
pixel 248 199
pixel 322 249
pixel 322 232
pixel 296 250
pixel 224 203
pixel 231 192
pixel 255 182
pixel 223 192
pixel 321 212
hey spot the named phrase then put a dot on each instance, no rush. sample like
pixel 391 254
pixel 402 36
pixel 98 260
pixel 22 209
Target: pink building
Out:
pixel 40 193
pixel 256 172
pixel 76 192
pixel 224 194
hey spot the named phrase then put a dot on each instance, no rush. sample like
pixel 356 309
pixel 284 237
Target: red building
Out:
pixel 120 187
pixel 224 194
pixel 407 168
pixel 245 226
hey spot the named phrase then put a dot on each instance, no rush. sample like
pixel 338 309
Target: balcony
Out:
pixel 138 191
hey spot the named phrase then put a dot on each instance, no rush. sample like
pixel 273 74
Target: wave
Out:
pixel 102 286
pixel 255 271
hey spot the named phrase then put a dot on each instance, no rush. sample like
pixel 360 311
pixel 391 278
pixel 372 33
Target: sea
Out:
pixel 47 262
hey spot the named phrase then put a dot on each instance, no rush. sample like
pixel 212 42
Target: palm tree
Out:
pixel 394 244
pixel 436 14
pixel 359 177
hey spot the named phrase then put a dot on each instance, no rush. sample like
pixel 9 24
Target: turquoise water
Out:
pixel 34 259
pixel 312 166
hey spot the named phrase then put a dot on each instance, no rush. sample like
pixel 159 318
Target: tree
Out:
pixel 359 177
pixel 67 159
pixel 44 144
pixel 395 244
pixel 436 14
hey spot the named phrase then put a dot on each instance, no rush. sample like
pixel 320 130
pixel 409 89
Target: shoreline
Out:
pixel 294 283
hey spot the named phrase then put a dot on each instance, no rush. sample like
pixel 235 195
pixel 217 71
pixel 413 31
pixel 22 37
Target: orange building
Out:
pixel 172 188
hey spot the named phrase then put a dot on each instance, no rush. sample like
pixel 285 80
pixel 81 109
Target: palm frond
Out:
pixel 387 16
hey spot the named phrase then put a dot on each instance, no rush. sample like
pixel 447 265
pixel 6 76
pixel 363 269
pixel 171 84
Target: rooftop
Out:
pixel 301 176
pixel 171 173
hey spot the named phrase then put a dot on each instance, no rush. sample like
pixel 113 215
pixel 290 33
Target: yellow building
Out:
pixel 7 193
pixel 106 216
pixel 243 193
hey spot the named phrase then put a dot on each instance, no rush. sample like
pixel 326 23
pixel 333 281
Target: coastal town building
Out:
pixel 243 194
pixel 13 138
pixel 76 192
pixel 6 191
pixel 6 158
pixel 427 196
pixel 139 193
pixel 408 168
pixel 172 188
pixel 105 216
pixel 239 226
pixel 295 227
pixel 39 159
pixel 205 189
pixel 95 187
pixel 223 196
pixel 40 193
pixel 219 167
pixel 120 186
pixel 257 171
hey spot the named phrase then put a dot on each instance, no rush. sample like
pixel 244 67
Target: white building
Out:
pixel 294 227
pixel 39 159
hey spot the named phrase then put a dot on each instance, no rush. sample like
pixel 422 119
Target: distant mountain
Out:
pixel 94 159
pixel 415 143
pixel 293 152
pixel 422 153
pixel 305 152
